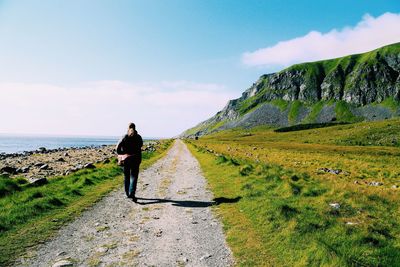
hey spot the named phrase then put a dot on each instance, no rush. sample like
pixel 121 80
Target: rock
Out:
pixel 44 167
pixel 375 183
pixel 42 149
pixel 66 154
pixel 206 257
pixel 333 171
pixel 61 253
pixel 159 233
pixel 395 186
pixel 38 164
pixel 106 161
pixel 63 263
pixel 78 167
pixel 334 205
pixel 61 160
pixel 9 169
pixel 182 260
pixel 25 169
pixel 89 166
pixel 40 182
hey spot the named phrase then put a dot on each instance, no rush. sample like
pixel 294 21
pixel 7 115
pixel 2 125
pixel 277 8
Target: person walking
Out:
pixel 131 147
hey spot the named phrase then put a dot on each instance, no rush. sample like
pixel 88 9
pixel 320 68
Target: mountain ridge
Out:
pixel 351 88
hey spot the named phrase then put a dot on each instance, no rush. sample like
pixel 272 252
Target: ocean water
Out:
pixel 12 144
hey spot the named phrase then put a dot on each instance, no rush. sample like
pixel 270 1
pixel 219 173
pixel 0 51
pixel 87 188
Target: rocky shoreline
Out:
pixel 36 166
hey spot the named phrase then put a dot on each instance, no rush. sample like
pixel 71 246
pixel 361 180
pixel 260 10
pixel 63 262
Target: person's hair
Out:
pixel 131 129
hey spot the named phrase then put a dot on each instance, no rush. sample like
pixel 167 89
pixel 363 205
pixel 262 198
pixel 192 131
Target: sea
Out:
pixel 19 143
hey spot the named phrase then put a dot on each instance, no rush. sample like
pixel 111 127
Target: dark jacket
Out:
pixel 131 145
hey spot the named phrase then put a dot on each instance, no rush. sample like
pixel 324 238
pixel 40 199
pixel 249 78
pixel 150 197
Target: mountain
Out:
pixel 347 89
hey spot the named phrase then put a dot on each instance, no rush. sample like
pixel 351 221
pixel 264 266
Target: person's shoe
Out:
pixel 134 199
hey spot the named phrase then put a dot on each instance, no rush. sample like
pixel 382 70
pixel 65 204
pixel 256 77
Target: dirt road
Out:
pixel 171 225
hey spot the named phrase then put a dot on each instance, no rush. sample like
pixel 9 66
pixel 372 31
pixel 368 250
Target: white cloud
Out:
pixel 105 107
pixel 370 33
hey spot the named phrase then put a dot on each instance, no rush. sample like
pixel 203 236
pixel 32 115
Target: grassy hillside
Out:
pixel 31 214
pixel 316 197
pixel 324 67
pixel 348 89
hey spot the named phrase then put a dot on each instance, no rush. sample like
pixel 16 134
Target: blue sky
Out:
pixel 160 46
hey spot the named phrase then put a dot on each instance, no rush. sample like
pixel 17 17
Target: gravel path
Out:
pixel 172 225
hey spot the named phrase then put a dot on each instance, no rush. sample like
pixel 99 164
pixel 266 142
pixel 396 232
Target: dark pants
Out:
pixel 131 174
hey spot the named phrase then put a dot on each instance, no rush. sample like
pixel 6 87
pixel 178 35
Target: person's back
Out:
pixel 131 145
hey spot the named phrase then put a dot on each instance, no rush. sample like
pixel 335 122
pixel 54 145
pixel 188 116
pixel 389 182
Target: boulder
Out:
pixel 44 167
pixel 334 205
pixel 25 169
pixel 9 169
pixel 89 166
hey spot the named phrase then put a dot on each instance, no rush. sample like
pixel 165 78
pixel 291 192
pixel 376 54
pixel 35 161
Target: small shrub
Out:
pixel 55 201
pixel 221 159
pixel 295 178
pixel 247 187
pixel 246 170
pixel 87 181
pixel 296 189
pixel 21 180
pixel 8 186
pixel 314 192
pixel 234 162
pixel 36 194
pixel 287 211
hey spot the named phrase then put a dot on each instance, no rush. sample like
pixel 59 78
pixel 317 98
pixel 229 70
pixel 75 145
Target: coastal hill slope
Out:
pixel 347 89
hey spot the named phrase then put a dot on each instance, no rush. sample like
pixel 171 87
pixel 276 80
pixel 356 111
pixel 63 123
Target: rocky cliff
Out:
pixel 352 88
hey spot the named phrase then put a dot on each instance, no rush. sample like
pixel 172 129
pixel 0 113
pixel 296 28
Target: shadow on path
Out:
pixel 188 203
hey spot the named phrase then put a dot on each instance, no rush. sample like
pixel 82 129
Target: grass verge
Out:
pixel 284 216
pixel 30 215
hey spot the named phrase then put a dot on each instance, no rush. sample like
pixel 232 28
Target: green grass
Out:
pixel 351 61
pixel 315 110
pixel 251 103
pixel 283 217
pixel 216 125
pixel 294 110
pixel 343 112
pixel 288 221
pixel 390 103
pixel 29 214
pixel 280 103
